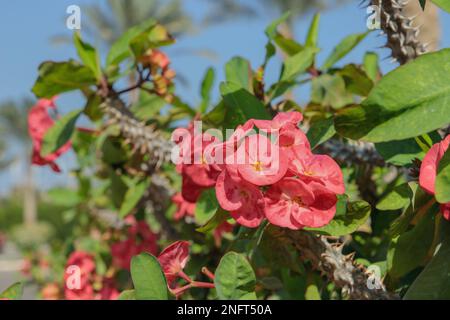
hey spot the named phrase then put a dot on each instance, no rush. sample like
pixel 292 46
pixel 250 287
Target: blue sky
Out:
pixel 27 26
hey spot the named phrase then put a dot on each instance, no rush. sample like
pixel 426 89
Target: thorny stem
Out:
pixel 355 281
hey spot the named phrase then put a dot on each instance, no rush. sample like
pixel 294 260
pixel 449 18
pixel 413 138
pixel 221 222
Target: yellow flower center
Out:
pixel 258 166
pixel 298 201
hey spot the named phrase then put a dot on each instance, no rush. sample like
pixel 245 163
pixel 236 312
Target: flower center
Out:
pixel 243 194
pixel 258 166
pixel 298 201
pixel 309 173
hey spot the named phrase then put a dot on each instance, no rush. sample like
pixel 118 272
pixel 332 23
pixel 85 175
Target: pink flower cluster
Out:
pixel 88 279
pixel 269 174
pixel 139 239
pixel 39 122
pixel 428 171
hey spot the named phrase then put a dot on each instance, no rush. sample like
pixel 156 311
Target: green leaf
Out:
pixel 356 80
pixel 419 203
pixel 240 105
pixel 433 282
pixel 329 90
pixel 312 292
pixel 14 292
pixel 206 206
pixel 118 188
pixel 409 250
pixel 270 52
pixel 403 152
pixel 349 217
pixel 148 106
pixel 59 77
pixel 424 141
pixel 120 50
pixel 216 116
pixel 148 279
pixel 112 151
pixel 88 55
pixel 64 197
pixel 407 102
pixel 271 30
pixel 370 65
pixel 132 197
pixel 60 133
pixel 443 179
pixel 313 32
pixel 127 295
pixel 320 131
pixel 238 71
pixel 398 198
pixel 343 48
pixel 400 152
pixel 298 64
pixel 153 37
pixel 288 46
pixel 443 4
pixel 207 85
pixel 92 107
pixel 217 219
pixel 234 278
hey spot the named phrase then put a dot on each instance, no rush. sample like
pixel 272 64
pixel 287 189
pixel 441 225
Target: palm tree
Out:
pixel 108 25
pixel 13 117
pixel 298 9
pixel 230 9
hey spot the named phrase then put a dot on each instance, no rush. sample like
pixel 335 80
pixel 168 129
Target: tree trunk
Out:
pixel 428 21
pixel 29 204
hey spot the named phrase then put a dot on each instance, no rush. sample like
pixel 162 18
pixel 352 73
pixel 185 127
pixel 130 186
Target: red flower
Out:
pixel 244 200
pixel 173 259
pixel 85 262
pixel 445 209
pixel 184 207
pixel 108 290
pixel 290 137
pixel 248 161
pixel 190 191
pixel 260 161
pixel 321 169
pixel 428 171
pixel 294 204
pixel 139 239
pixel 39 122
pixel 280 120
pixel 197 173
pixel 221 155
pixel 160 59
pixel 430 163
